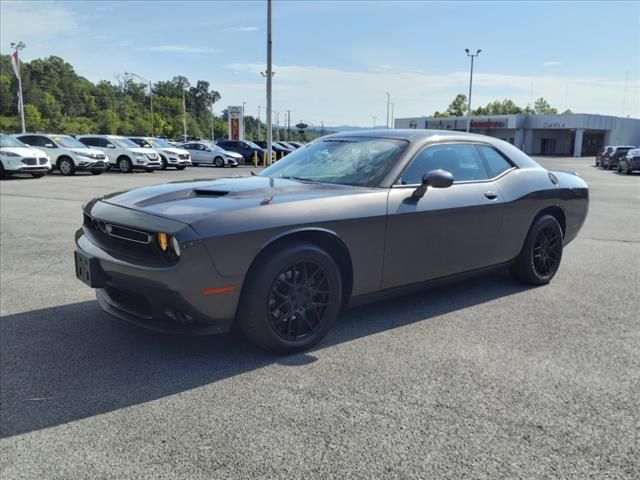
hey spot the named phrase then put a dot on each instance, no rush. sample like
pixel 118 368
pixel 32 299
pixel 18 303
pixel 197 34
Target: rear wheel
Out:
pixel 124 165
pixel 66 166
pixel 540 256
pixel 291 298
pixel 218 162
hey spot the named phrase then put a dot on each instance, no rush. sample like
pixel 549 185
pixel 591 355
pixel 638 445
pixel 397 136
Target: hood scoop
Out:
pixel 206 192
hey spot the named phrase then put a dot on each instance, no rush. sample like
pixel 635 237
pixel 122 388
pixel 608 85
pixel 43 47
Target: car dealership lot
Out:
pixel 487 378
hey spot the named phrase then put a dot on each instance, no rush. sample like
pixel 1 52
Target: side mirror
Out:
pixel 434 179
pixel 49 145
pixel 111 145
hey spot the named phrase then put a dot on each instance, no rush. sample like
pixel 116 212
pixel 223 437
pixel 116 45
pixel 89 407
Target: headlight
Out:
pixel 10 154
pixel 165 240
pixel 140 157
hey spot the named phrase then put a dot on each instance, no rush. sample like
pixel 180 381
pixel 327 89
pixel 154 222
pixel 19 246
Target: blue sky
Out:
pixel 334 61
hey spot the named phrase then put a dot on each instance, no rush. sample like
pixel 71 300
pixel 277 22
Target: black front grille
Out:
pixel 30 161
pixel 42 161
pixel 123 241
pixel 183 156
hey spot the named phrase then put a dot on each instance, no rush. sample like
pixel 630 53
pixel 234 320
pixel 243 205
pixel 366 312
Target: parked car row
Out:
pixel 623 158
pixel 39 153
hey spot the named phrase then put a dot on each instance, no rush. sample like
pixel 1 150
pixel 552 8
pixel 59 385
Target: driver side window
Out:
pixel 459 159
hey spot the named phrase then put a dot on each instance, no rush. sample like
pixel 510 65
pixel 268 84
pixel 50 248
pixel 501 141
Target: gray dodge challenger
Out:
pixel 348 219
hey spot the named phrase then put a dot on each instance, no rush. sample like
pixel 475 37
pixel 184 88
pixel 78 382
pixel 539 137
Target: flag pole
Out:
pixel 15 59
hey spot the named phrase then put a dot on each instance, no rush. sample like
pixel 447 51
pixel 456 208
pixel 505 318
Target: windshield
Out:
pixel 160 143
pixel 69 142
pixel 251 144
pixel 7 141
pixel 124 142
pixel 347 161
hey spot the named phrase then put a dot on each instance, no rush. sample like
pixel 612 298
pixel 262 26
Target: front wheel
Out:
pixel 66 166
pixel 218 162
pixel 540 256
pixel 124 165
pixel 291 298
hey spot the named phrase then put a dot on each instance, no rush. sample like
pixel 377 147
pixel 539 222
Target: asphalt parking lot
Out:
pixel 483 379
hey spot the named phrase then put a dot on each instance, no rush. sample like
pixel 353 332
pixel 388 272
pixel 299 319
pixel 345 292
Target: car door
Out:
pixel 449 230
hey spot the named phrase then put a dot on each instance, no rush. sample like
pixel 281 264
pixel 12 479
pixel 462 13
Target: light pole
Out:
pixel 213 120
pixel 150 97
pixel 388 101
pixel 184 114
pixel 392 106
pixel 243 126
pixel 269 75
pixel 288 136
pixel 16 69
pixel 472 55
pixel 374 121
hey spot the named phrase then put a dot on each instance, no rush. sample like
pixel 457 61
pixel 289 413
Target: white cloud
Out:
pixel 178 49
pixel 31 22
pixel 241 29
pixel 551 63
pixel 353 97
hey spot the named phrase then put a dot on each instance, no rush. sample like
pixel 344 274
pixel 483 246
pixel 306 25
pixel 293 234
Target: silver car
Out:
pixel 206 153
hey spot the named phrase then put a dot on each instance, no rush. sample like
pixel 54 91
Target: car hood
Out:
pixel 177 151
pixel 191 201
pixel 24 152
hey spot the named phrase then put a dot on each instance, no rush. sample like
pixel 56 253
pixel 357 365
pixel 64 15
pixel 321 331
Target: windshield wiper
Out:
pixel 299 179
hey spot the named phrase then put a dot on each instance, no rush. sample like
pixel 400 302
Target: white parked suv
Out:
pixel 170 155
pixel 123 153
pixel 16 157
pixel 66 153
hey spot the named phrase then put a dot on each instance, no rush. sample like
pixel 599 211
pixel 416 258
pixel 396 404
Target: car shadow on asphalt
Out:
pixel 66 363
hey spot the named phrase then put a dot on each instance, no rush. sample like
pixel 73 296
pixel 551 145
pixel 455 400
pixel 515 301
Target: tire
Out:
pixel 165 164
pixel 607 166
pixel 541 253
pixel 38 174
pixel 3 173
pixel 66 166
pixel 280 277
pixel 218 162
pixel 124 165
pixel 619 168
pixel 97 172
pixel 628 171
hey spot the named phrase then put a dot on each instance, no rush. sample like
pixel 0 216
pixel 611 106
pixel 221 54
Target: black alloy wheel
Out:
pixel 298 300
pixel 291 297
pixel 547 250
pixel 541 253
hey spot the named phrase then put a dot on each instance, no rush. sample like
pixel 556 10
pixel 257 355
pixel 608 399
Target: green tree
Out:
pixel 542 107
pixel 32 118
pixel 458 107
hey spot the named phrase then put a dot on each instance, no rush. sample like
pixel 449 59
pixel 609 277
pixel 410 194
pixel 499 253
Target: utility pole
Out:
pixel 392 106
pixel 288 125
pixel 15 60
pixel 374 121
pixel 269 74
pixel 184 114
pixel 259 107
pixel 388 100
pixel 243 125
pixel 213 120
pixel 472 55
pixel 322 128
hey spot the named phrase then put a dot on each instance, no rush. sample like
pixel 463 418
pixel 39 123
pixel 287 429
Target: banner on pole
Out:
pixel 15 62
pixel 235 122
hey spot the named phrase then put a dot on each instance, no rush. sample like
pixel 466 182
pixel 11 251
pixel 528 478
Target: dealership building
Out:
pixel 576 135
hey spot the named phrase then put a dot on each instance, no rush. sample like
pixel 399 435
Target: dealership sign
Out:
pixel 488 123
pixel 235 123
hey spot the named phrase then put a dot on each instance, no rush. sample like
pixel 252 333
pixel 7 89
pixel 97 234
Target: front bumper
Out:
pixel 99 165
pixel 30 169
pixel 166 299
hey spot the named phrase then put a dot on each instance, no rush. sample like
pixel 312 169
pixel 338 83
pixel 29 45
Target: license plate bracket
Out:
pixel 88 270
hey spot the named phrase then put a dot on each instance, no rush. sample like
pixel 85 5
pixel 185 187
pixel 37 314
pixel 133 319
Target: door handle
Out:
pixel 491 195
